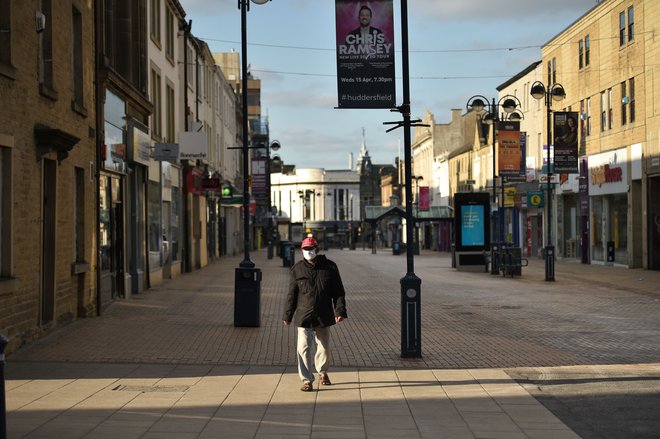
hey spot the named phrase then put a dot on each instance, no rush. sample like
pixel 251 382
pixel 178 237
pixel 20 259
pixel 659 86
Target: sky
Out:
pixel 457 49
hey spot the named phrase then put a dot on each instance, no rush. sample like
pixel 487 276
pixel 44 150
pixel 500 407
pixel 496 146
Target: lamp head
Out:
pixel 477 105
pixel 509 105
pixel 515 116
pixel 260 2
pixel 275 145
pixel 538 90
pixel 558 92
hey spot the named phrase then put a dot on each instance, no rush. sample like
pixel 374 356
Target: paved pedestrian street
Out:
pixel 501 358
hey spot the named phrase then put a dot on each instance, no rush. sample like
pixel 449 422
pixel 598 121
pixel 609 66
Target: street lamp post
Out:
pixel 553 92
pixel 247 278
pixel 509 104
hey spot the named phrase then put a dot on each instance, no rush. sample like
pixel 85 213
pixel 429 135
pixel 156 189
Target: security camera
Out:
pixel 40 22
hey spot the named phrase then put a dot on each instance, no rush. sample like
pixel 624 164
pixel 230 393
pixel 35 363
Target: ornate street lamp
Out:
pixel 509 104
pixel 554 92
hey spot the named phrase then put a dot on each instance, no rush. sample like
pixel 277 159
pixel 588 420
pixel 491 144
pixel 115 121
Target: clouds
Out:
pixel 510 10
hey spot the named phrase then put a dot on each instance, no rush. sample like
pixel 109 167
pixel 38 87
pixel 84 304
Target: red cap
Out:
pixel 309 242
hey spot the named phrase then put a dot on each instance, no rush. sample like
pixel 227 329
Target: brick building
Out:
pixel 47 167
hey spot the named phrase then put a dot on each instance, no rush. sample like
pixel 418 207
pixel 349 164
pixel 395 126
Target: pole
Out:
pixel 411 329
pixel 549 248
pixel 494 263
pixel 246 188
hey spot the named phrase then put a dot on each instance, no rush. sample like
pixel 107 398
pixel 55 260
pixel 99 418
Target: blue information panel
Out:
pixel 472 221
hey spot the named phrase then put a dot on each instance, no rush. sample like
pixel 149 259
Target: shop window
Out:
pixel 618 228
pixel 175 223
pixel 153 220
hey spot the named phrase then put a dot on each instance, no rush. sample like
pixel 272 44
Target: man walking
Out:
pixel 317 298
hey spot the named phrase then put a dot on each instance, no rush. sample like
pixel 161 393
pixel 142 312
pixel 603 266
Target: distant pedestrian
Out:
pixel 317 299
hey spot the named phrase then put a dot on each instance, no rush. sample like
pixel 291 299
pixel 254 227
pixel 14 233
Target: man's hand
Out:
pixel 339 319
pixel 286 323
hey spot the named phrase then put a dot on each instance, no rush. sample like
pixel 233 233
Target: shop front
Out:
pixel 568 217
pixel 608 194
pixel 112 181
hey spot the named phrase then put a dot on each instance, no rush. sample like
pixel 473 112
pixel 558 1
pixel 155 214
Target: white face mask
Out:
pixel 309 254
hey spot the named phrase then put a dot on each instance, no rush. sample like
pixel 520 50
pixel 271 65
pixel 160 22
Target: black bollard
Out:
pixel 3 405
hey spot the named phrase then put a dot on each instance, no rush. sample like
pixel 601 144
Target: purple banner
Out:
pixel 259 184
pixel 365 54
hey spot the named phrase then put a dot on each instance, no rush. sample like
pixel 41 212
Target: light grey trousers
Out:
pixel 313 349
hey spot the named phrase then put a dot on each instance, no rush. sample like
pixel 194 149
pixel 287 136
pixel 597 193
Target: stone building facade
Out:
pixel 47 167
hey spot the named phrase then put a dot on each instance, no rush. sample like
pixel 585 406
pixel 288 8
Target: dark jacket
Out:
pixel 316 294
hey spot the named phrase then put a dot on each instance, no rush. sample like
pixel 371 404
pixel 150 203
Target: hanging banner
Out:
pixel 508 151
pixel 259 178
pixel 424 198
pixel 565 130
pixel 365 54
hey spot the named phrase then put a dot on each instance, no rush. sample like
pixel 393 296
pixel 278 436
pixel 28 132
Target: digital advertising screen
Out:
pixel 473 232
pixel 472 221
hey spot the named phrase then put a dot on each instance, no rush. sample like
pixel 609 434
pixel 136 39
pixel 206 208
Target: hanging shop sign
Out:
pixel 365 54
pixel 535 199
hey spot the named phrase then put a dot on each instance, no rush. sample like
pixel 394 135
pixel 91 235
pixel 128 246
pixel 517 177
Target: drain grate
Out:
pixel 148 389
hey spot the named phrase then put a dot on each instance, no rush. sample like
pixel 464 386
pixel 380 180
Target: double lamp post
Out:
pixel 509 104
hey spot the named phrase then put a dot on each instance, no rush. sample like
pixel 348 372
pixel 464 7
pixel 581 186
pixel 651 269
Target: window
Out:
pixel 581 54
pixel 554 71
pixel 6 144
pixel 79 216
pixel 588 116
pixel 5 39
pixel 631 23
pixel 155 21
pixel 624 104
pixel 631 92
pixel 170 112
pixel 156 117
pixel 77 62
pixel 609 108
pixel 169 35
pixel 46 53
pixel 603 112
pixel 586 50
pixel 622 29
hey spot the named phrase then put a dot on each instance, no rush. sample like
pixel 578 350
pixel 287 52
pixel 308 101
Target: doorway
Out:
pixel 49 215
pixel 111 229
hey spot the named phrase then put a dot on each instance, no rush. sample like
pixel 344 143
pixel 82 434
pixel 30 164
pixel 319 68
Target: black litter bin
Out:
pixel 247 296
pixel 396 248
pixel 288 254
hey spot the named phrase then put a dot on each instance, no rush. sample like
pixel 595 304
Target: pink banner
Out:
pixel 424 198
pixel 365 54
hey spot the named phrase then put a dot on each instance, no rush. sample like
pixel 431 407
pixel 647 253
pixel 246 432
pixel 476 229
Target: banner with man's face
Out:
pixel 365 54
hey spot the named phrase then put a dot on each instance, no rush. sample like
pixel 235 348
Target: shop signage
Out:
pixel 510 197
pixel 166 152
pixel 211 184
pixel 608 173
pixel 193 145
pixel 535 199
pixel 424 198
pixel 140 144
